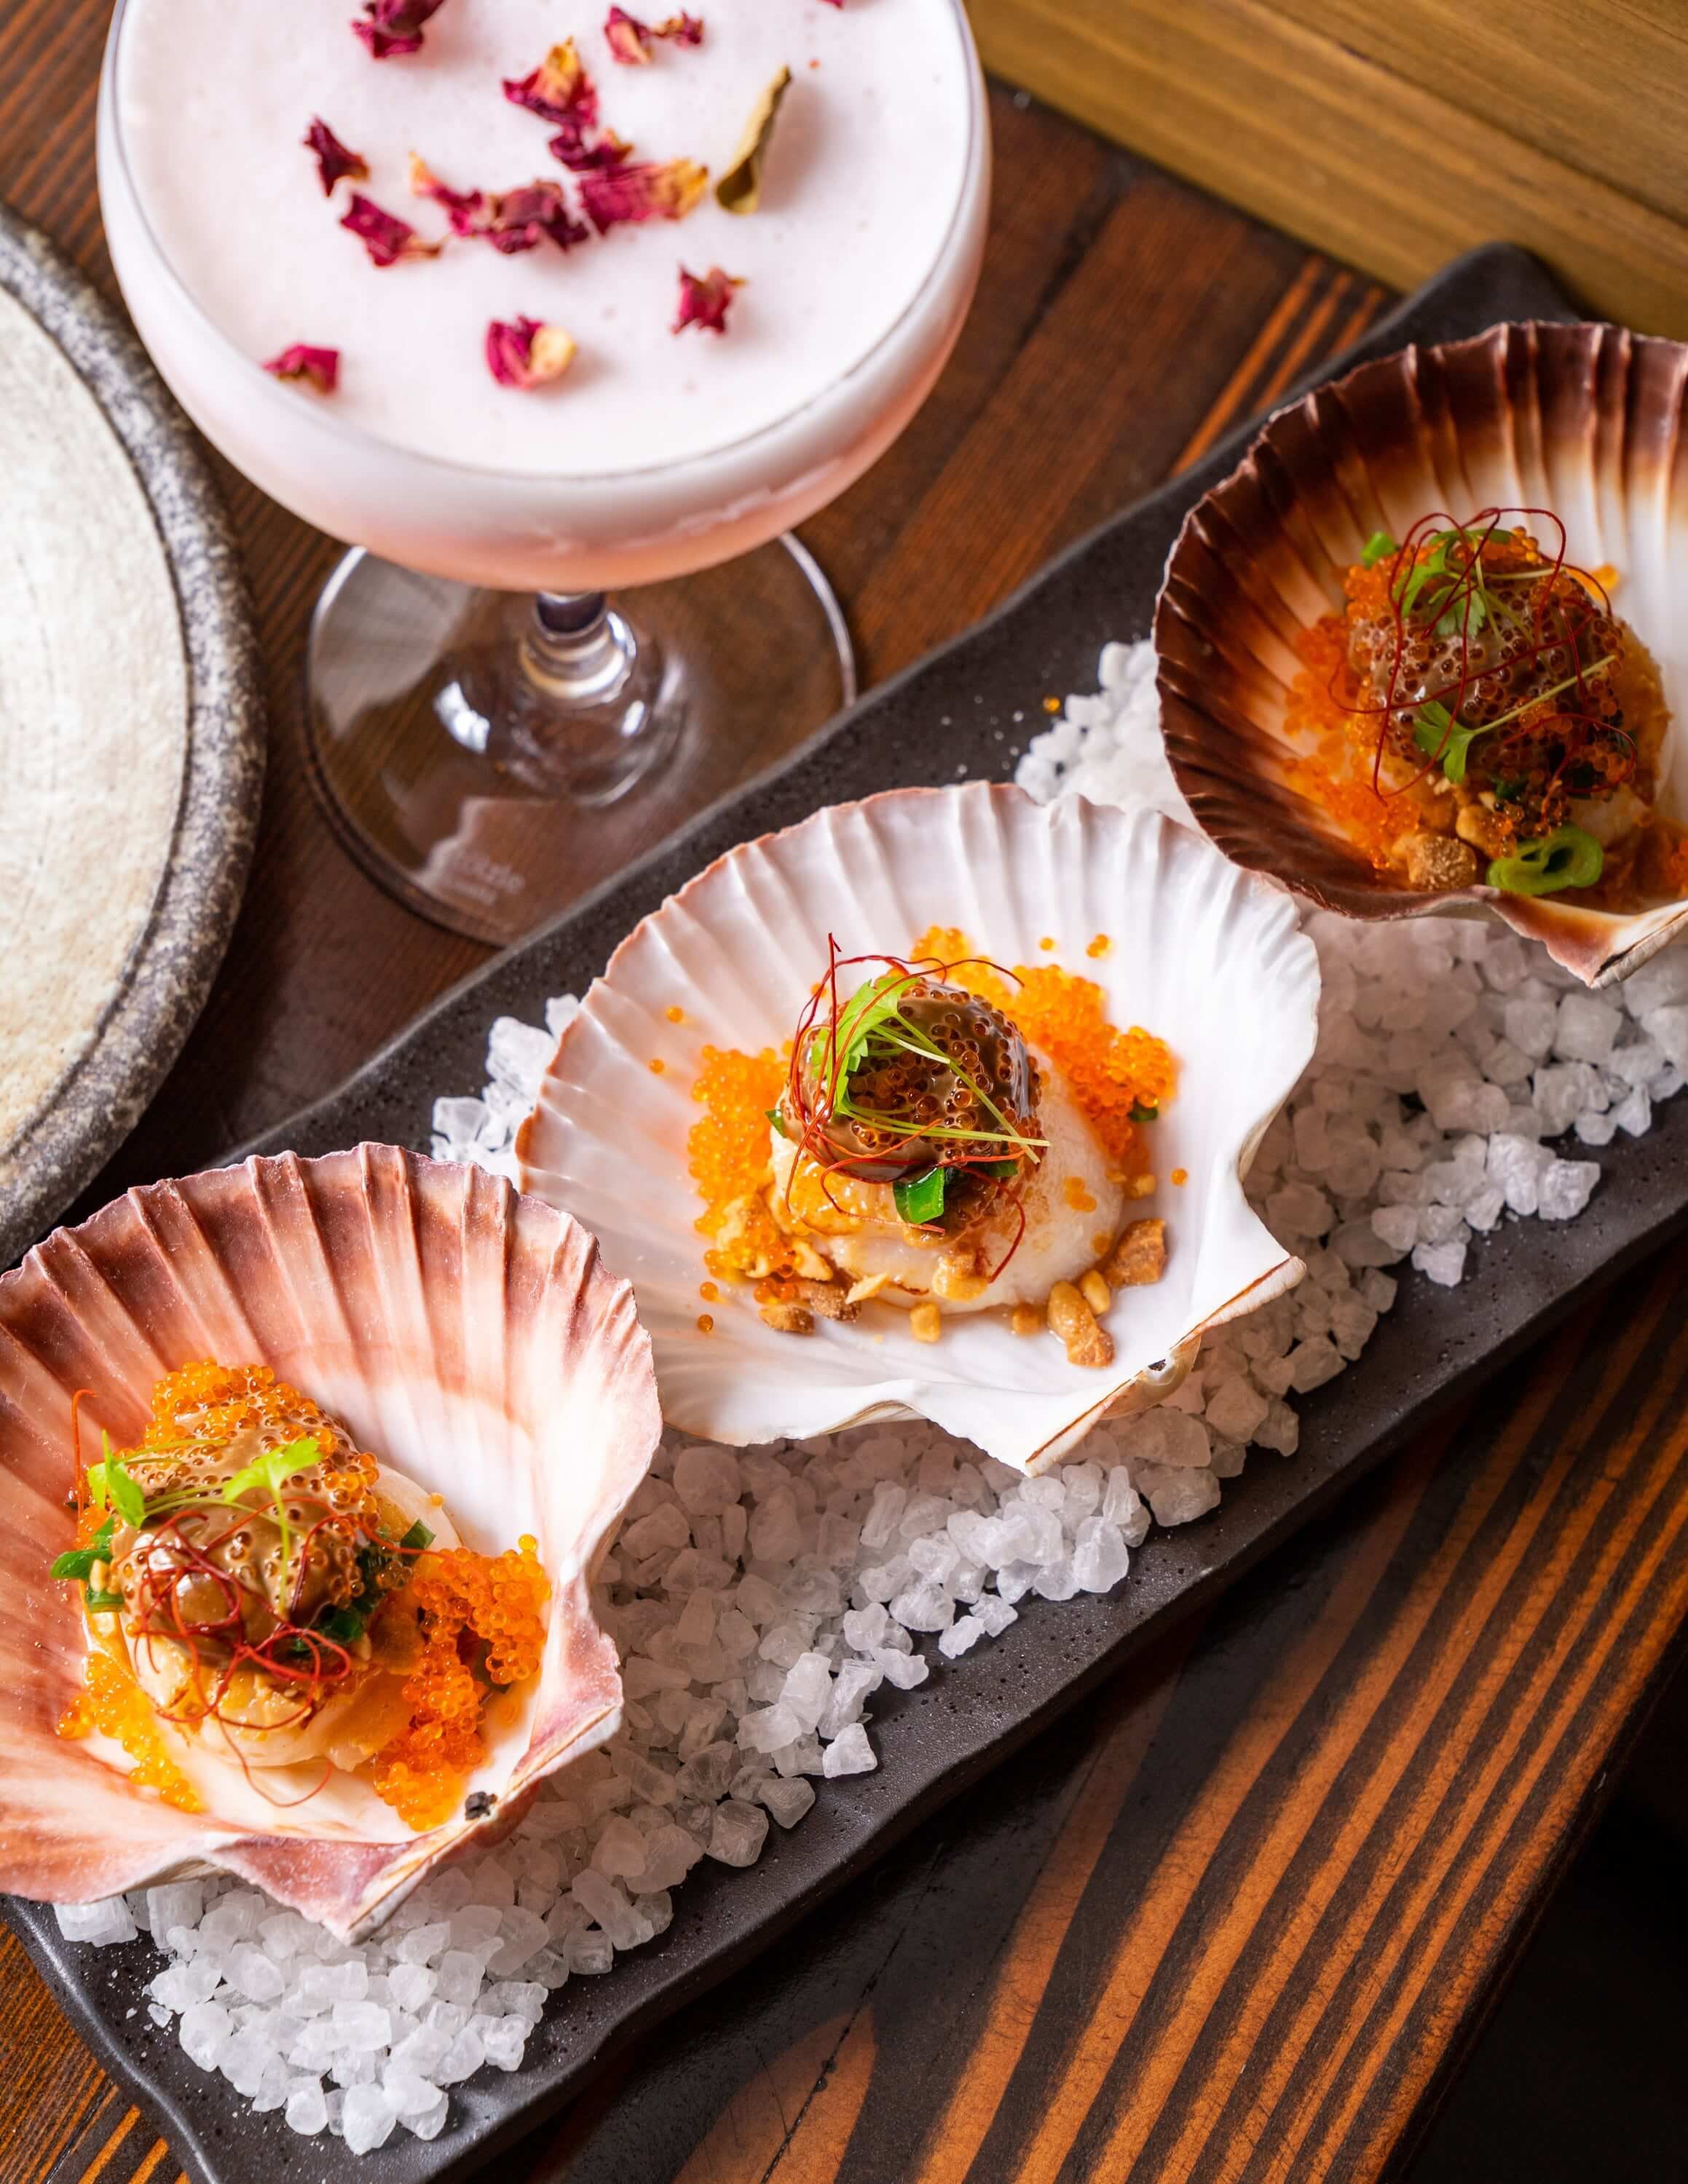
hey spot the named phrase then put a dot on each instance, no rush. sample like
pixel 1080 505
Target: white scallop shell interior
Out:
pixel 1203 955
pixel 470 1337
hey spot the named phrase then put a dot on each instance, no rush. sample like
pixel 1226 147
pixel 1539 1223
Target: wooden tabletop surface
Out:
pixel 1235 1921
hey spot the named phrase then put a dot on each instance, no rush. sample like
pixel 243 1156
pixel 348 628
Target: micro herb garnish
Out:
pixel 1440 736
pixel 110 1482
pixel 920 1200
pixel 79 1561
pixel 1462 605
pixel 1377 548
pixel 346 1625
pixel 1568 857
pixel 270 1472
pixel 870 1027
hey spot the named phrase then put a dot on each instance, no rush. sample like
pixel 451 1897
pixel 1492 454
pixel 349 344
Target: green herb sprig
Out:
pixel 111 1484
pixel 271 1473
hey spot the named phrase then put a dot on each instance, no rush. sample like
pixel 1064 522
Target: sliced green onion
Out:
pixel 1142 1114
pixel 920 1200
pixel 102 1603
pixel 417 1538
pixel 1567 858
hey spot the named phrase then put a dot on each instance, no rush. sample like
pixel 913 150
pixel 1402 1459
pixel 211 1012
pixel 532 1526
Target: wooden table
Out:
pixel 1237 1920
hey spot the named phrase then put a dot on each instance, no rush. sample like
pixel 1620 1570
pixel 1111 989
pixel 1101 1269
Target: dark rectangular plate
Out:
pixel 954 713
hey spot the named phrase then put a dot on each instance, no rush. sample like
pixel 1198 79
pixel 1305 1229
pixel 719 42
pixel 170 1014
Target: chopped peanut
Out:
pixel 1071 1318
pixel 1026 1319
pixel 827 1300
pixel 808 1261
pixel 925 1323
pixel 956 1277
pixel 1139 1257
pixel 792 1307
pixel 868 1287
pixel 1140 1186
pixel 1095 1292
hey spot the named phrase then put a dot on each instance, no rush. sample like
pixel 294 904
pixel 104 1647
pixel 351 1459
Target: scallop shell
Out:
pixel 1204 956
pixel 470 1336
pixel 1584 419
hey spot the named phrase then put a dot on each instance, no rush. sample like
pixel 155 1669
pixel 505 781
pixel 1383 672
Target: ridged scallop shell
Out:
pixel 469 1337
pixel 1202 956
pixel 1584 419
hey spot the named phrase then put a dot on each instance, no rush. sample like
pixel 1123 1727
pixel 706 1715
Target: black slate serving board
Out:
pixel 967 710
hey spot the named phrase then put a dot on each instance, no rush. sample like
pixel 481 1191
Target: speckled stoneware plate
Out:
pixel 942 719
pixel 132 746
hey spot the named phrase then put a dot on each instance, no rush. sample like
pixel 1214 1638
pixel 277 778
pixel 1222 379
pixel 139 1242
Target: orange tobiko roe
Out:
pixel 1108 1072
pixel 727 1153
pixel 1325 702
pixel 466 1602
pixel 113 1704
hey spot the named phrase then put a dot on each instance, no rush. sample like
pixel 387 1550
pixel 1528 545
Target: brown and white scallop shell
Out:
pixel 470 1335
pixel 1586 421
pixel 1202 956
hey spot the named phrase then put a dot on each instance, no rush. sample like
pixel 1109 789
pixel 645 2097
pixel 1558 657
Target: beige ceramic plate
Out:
pixel 131 741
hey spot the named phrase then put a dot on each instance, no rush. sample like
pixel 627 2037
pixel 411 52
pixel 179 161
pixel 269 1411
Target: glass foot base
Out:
pixel 488 798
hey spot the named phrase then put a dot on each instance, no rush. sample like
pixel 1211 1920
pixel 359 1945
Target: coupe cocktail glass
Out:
pixel 517 678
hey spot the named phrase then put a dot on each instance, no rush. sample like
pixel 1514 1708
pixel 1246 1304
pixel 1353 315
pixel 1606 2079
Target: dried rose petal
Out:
pixel 321 366
pixel 514 220
pixel 395 27
pixel 580 153
pixel 526 353
pixel 334 162
pixel 704 300
pixel 559 89
pixel 465 208
pixel 629 40
pixel 739 188
pixel 383 234
pixel 522 218
pixel 665 191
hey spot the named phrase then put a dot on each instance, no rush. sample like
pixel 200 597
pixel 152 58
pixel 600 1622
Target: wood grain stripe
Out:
pixel 793 2119
pixel 1495 1739
pixel 1304 347
pixel 1422 1735
pixel 157 2153
pixel 1235 396
pixel 1038 1936
pixel 1143 1943
pixel 97 2165
pixel 1147 2077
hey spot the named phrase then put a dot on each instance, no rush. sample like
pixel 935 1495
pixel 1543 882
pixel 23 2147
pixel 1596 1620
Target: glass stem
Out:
pixel 576 651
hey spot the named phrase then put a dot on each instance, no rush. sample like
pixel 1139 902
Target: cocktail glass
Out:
pixel 514 681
